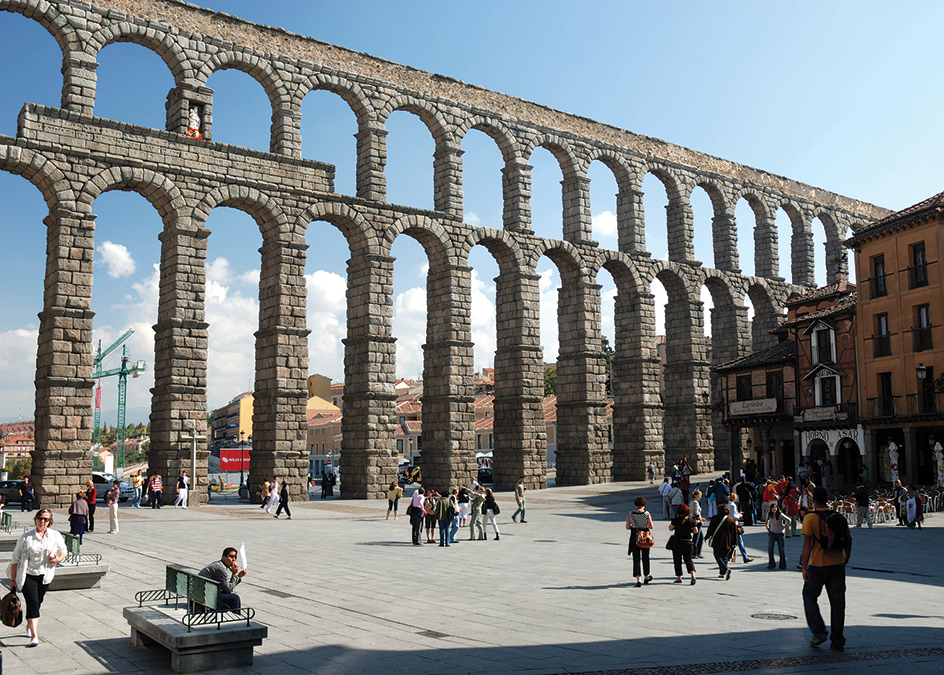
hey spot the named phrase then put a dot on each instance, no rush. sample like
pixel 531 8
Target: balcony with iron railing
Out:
pixel 918 276
pixel 921 338
pixel 878 286
pixel 882 345
pixel 925 403
pixel 881 406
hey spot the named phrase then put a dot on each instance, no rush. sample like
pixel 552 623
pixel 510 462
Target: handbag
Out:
pixel 409 510
pixel 10 612
pixel 495 509
pixel 740 530
pixel 670 544
pixel 644 539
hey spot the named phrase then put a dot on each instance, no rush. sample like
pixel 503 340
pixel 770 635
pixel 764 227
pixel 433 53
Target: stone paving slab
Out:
pixel 342 590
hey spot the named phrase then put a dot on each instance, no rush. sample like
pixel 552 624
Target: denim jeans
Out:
pixel 137 497
pixel 454 530
pixel 229 601
pixel 723 558
pixel 521 509
pixel 773 538
pixel 833 579
pixel 741 548
pixel 444 532
pixel 699 542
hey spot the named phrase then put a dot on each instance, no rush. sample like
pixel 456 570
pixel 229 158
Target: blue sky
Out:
pixel 843 96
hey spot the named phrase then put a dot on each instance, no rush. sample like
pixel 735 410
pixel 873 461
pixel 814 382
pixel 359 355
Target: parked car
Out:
pixel 10 489
pixel 103 482
pixel 485 476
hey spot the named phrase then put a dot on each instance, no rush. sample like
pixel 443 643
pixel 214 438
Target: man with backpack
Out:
pixel 827 543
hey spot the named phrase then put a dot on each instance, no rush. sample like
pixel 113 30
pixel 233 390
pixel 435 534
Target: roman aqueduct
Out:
pixel 72 157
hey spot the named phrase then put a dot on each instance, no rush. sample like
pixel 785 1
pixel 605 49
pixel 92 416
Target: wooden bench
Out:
pixel 195 604
pixel 79 570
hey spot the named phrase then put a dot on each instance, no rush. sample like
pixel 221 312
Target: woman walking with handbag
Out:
pixel 722 535
pixel 639 524
pixel 33 567
pixel 682 527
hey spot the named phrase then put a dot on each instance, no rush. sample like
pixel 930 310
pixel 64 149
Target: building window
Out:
pixel 478 441
pixel 744 389
pixel 883 344
pixel 419 444
pixel 826 388
pixel 490 442
pixel 823 346
pixel 922 330
pixel 878 286
pixel 918 272
pixel 886 400
pixel 399 446
pixel 775 385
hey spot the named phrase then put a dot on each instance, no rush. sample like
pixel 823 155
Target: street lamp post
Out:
pixel 242 448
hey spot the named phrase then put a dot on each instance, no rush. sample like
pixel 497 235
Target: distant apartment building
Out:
pixel 232 422
pixel 16 447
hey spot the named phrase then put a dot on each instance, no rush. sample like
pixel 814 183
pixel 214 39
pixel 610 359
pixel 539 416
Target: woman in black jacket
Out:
pixel 722 533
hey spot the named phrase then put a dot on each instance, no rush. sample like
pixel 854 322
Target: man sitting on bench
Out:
pixel 226 572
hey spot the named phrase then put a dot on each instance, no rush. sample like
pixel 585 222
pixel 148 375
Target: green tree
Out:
pixel 550 381
pixel 19 468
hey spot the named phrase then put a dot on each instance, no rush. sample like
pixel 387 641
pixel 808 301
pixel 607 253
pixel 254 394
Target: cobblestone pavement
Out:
pixel 343 591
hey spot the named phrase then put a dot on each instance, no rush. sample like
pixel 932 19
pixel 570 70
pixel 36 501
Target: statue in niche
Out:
pixel 194 117
pixel 893 460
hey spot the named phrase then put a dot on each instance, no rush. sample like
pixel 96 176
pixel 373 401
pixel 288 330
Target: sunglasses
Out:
pixel 42 519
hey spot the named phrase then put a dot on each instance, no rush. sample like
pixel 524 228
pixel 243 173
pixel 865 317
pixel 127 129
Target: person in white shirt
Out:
pixel 736 514
pixel 33 566
pixel 665 490
pixel 183 486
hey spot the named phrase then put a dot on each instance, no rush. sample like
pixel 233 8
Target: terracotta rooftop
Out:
pixel 821 293
pixel 930 208
pixel 783 351
pixel 845 305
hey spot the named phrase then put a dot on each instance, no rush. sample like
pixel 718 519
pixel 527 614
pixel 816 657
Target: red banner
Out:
pixel 230 459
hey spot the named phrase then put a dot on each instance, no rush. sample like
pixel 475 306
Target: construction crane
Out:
pixel 126 368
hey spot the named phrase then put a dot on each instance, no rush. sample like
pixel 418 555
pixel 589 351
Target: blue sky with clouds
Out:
pixel 844 96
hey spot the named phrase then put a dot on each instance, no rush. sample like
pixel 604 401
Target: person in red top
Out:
pixel 157 491
pixel 91 494
pixel 770 497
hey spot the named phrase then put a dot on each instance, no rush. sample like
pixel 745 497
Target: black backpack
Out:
pixel 834 533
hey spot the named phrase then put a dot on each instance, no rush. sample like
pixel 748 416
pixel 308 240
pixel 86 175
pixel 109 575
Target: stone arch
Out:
pixel 263 209
pixel 350 92
pixel 801 244
pixel 565 256
pixel 431 116
pixel 257 68
pixel 728 317
pixel 360 236
pixel 159 190
pixel 723 227
pixel 505 140
pixel 765 233
pixel 837 265
pixel 678 223
pixel 431 235
pixel 625 274
pixel 41 172
pixel 503 247
pixel 767 313
pixel 615 163
pixel 162 44
pixel 46 15
pixel 563 152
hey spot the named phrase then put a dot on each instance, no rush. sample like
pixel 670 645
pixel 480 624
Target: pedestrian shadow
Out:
pixel 605 587
pixel 430 650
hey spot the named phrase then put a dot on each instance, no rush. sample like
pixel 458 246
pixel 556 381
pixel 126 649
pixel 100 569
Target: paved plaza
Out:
pixel 342 591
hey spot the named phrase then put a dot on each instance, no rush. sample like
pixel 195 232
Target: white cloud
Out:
pixel 18 365
pixel 604 225
pixel 548 287
pixel 409 327
pixel 327 316
pixel 117 259
pixel 250 278
pixel 472 218
pixel 483 322
pixel 219 271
